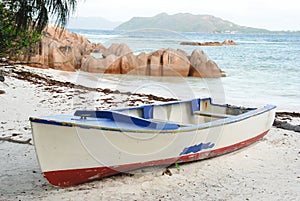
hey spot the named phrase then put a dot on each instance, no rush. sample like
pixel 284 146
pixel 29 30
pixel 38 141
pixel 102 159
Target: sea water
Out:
pixel 261 69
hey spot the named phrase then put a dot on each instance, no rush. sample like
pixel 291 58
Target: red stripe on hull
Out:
pixel 64 178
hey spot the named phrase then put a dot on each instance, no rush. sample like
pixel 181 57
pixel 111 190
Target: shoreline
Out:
pixel 255 172
pixel 62 79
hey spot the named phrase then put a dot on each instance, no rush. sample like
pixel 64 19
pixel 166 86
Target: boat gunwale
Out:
pixel 251 112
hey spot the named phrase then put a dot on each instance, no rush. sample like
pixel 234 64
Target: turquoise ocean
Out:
pixel 261 69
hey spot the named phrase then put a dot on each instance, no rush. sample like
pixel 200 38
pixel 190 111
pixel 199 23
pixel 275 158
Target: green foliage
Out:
pixel 22 22
pixel 14 40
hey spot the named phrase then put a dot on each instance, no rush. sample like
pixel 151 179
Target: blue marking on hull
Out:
pixel 198 147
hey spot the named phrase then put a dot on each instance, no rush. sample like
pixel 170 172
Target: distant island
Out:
pixel 186 22
pixel 181 22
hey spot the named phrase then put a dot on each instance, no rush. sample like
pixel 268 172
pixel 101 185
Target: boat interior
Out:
pixel 168 116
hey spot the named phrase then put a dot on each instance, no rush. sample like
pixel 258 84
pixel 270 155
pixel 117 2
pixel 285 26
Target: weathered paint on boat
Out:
pixel 89 145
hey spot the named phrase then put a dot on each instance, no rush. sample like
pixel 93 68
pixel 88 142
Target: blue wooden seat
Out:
pixel 131 120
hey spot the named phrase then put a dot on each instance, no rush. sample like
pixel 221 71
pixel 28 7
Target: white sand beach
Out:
pixel 266 170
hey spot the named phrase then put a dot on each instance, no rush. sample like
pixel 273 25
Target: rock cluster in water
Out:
pixel 225 42
pixel 63 50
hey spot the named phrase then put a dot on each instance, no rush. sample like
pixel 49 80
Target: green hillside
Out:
pixel 185 22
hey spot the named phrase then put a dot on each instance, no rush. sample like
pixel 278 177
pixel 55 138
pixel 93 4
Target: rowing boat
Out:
pixel 89 145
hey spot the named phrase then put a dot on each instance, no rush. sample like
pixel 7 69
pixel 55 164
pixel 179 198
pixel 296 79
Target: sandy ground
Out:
pixel 266 170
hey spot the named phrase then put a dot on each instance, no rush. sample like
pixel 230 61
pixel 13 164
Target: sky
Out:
pixel 275 15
